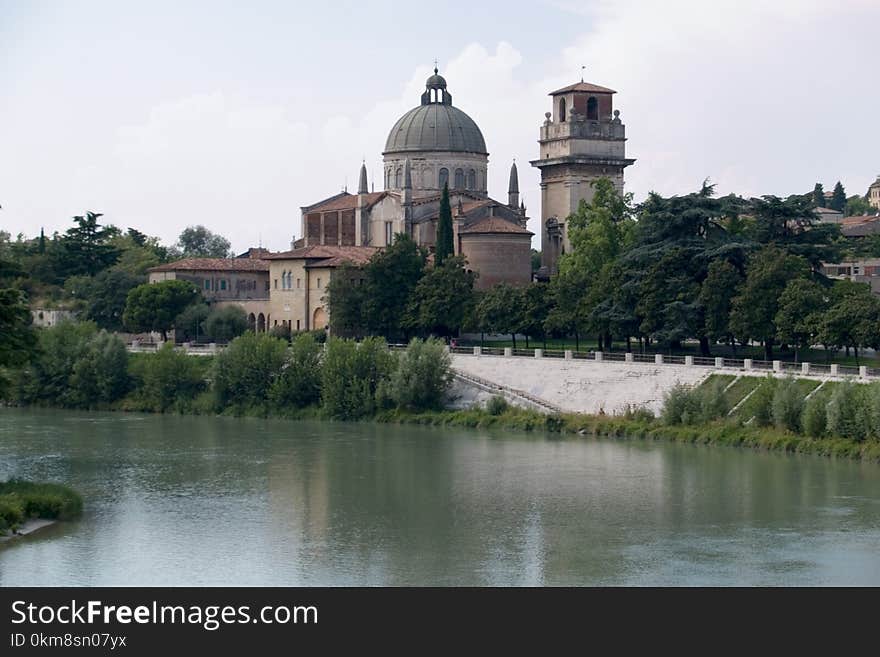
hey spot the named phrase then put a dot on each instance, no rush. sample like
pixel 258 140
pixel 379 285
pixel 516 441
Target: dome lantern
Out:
pixel 435 90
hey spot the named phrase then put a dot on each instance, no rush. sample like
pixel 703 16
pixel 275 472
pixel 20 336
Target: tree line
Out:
pixel 727 271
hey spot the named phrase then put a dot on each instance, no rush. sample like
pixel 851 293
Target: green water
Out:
pixel 223 501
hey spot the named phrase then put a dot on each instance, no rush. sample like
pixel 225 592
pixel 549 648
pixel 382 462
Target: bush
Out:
pixel 246 371
pixel 681 405
pixel 814 417
pixel 496 405
pixel 423 375
pixel 638 413
pixel 788 405
pixel 11 512
pixel 300 382
pixel 351 375
pixel 281 331
pixel 713 402
pixel 872 398
pixel 76 366
pixel 190 324
pixel 226 323
pixel 20 500
pixel 168 379
pixel 848 411
pixel 761 402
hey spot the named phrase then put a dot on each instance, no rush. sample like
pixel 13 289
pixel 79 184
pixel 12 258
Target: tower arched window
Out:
pixel 472 180
pixel 398 178
pixel 444 177
pixel 562 110
pixel 459 179
pixel 284 280
pixel 593 109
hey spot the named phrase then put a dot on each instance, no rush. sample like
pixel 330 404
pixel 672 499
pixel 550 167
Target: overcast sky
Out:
pixel 233 115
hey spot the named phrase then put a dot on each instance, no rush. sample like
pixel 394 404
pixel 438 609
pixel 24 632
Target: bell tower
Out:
pixel 582 140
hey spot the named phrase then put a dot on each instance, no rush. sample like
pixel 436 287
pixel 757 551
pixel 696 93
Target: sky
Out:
pixel 234 115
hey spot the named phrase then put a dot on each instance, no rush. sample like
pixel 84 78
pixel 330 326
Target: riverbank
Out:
pixel 26 506
pixel 722 433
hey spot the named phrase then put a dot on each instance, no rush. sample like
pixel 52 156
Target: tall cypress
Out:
pixel 819 196
pixel 838 198
pixel 445 247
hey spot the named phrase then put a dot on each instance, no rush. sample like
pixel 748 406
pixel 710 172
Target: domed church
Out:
pixel 432 145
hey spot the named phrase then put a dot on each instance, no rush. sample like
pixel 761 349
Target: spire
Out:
pixel 362 185
pixel 513 187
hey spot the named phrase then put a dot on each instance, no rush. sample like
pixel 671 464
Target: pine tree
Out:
pixel 819 196
pixel 838 198
pixel 445 246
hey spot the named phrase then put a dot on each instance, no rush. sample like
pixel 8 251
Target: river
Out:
pixel 223 501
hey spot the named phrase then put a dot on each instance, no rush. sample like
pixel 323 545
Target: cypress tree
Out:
pixel 819 196
pixel 445 247
pixel 838 198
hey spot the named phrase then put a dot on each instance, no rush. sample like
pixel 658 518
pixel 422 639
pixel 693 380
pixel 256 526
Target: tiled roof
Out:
pixel 345 202
pixel 214 264
pixel 495 225
pixel 355 254
pixel 583 86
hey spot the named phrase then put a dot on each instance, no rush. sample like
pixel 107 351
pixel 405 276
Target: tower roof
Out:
pixel 513 184
pixel 583 86
pixel 362 184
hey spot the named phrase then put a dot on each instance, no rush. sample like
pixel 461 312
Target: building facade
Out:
pixel 873 195
pixel 582 140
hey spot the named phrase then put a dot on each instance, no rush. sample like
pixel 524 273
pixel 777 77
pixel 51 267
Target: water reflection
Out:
pixel 223 501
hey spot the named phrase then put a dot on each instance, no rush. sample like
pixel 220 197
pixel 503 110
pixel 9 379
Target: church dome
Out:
pixel 435 125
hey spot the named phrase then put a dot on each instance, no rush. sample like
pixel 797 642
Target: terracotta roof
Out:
pixel 214 264
pixel 583 86
pixel 356 254
pixel 495 225
pixel 860 219
pixel 336 261
pixel 345 202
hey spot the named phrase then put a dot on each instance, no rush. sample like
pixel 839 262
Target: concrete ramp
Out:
pixel 583 386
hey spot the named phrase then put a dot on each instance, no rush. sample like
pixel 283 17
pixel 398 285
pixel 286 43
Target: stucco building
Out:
pixel 874 193
pixel 582 140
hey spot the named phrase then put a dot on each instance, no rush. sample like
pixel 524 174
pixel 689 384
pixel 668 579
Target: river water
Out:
pixel 224 501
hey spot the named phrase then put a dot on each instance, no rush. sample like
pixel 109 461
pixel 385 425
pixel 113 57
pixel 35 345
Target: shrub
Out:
pixel 299 384
pixel 246 370
pixel 814 417
pixel 681 405
pixel 351 375
pixel 496 405
pixel 21 499
pixel 848 411
pixel 281 331
pixel 226 323
pixel 423 375
pixel 761 402
pixel 872 398
pixel 168 379
pixel 713 402
pixel 788 405
pixel 11 512
pixel 638 413
pixel 190 324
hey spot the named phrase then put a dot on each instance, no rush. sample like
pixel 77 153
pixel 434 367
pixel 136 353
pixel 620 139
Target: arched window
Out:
pixel 444 177
pixel 459 179
pixel 426 178
pixel 284 280
pixel 472 179
pixel 398 178
pixel 562 110
pixel 593 109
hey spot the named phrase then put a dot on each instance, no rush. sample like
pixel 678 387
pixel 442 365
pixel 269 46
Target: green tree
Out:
pixel 199 242
pixel 17 337
pixel 818 197
pixel 853 319
pixel 445 247
pixel 190 324
pixel 536 305
pixel 226 323
pixel 838 198
pixel 500 309
pixel 754 309
pixel 857 206
pixel 346 299
pixel 86 248
pixel 299 385
pixel 442 300
pixel 168 379
pixel 156 306
pixel 351 375
pixel 246 371
pixel 102 298
pixel 799 317
pixel 423 375
pixel 716 297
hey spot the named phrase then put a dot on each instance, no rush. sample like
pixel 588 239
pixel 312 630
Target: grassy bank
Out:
pixel 727 433
pixel 22 500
